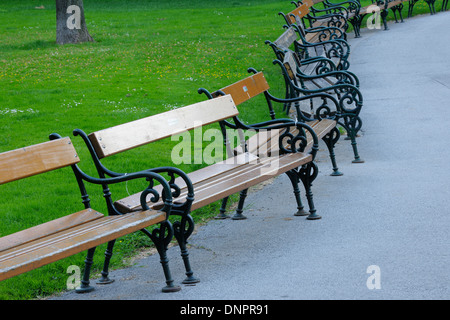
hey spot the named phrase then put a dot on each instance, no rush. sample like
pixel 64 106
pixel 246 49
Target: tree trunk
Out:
pixel 70 23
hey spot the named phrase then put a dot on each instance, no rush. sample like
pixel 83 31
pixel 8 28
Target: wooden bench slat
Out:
pixel 48 228
pixel 69 242
pixel 143 131
pixel 247 88
pixel 35 159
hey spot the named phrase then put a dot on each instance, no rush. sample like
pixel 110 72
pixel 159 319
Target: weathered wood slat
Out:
pixel 36 159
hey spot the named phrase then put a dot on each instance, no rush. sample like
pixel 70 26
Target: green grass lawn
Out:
pixel 148 57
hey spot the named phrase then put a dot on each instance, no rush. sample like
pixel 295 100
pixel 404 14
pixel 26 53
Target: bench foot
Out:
pixel 171 289
pixel 293 176
pixel 221 216
pixel 182 230
pixel 223 209
pixel 301 213
pixel 161 237
pixel 105 272
pixel 238 215
pixel 104 281
pixel 191 280
pixel 336 173
pixel 352 124
pixel 313 217
pixel 306 174
pixel 85 289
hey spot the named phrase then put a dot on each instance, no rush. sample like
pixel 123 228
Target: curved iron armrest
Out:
pixel 326 63
pixel 329 11
pixel 343 77
pixel 353 6
pixel 334 32
pixel 324 111
pixel 172 172
pixel 166 194
pixel 284 123
pixel 294 142
pixel 339 48
pixel 348 94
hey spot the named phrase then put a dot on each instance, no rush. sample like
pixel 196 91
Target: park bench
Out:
pixel 72 233
pixel 431 6
pixel 328 29
pixel 311 18
pixel 215 181
pixel 320 57
pixel 320 71
pixel 356 12
pixel 342 87
pixel 262 144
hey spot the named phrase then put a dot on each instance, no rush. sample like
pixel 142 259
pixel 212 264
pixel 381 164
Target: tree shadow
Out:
pixel 32 45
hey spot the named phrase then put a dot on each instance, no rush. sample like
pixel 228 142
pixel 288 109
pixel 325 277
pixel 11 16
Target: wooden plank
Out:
pixel 286 39
pixel 48 228
pixel 246 89
pixel 39 158
pixel 300 12
pixel 64 244
pixel 143 131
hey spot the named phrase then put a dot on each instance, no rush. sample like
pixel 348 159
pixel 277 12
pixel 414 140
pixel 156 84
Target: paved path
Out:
pixel 392 212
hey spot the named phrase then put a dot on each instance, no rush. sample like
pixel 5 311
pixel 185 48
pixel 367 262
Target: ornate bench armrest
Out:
pixel 290 141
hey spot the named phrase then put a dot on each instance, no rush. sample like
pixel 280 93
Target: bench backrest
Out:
pixel 290 63
pixel 146 130
pixel 32 160
pixel 287 38
pixel 298 13
pixel 245 89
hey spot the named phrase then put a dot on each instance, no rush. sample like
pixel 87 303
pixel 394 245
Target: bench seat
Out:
pixel 225 178
pixel 58 239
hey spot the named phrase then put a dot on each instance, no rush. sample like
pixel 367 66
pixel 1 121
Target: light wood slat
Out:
pixel 48 228
pixel 143 131
pixel 64 244
pixel 35 159
pixel 247 88
pixel 300 12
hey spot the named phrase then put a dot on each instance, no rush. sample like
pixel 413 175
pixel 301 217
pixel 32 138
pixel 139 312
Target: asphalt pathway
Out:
pixel 385 227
